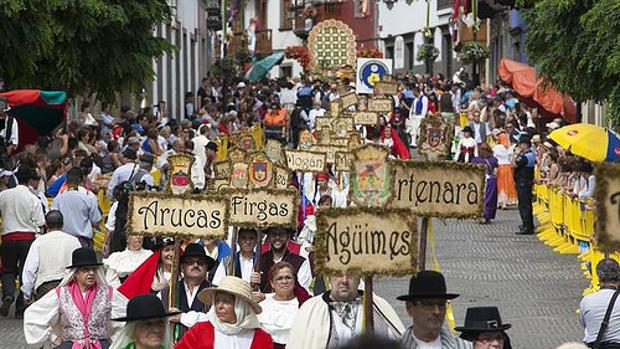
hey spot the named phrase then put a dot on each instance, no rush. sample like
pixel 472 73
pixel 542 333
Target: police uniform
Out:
pixel 524 180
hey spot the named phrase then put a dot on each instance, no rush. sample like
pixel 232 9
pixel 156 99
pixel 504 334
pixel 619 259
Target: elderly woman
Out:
pixel 120 264
pixel 77 313
pixel 146 325
pixel 484 328
pixel 281 307
pixel 232 321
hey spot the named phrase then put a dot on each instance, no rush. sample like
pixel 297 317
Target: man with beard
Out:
pixel 335 317
pixel 426 303
pixel 194 264
pixel 279 252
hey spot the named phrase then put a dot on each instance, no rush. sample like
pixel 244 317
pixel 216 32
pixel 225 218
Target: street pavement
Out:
pixel 536 290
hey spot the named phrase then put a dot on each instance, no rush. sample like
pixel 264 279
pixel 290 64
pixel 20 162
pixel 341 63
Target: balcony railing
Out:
pixel 467 34
pixel 263 43
pixel 307 17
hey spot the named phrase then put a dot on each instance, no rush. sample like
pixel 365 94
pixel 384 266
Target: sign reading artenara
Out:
pixel 373 241
pixel 260 208
pixel 161 214
pixel 439 189
pixel 607 194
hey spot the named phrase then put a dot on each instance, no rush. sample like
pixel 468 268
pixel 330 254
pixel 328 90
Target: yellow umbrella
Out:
pixel 588 141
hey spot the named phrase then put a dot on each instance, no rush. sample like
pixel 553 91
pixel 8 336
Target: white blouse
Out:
pixel 121 264
pixel 277 317
pixel 503 155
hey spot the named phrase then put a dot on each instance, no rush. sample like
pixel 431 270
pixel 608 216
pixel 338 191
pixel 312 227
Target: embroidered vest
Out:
pixel 71 321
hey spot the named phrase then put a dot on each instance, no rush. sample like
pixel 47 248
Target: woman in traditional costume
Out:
pixel 76 315
pixel 281 307
pixel 120 264
pixel 232 321
pixel 490 195
pixel 390 139
pixel 506 189
pixel 146 326
pixel 467 148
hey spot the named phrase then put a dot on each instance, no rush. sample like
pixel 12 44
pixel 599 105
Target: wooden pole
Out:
pixel 233 251
pixel 259 248
pixel 423 242
pixel 369 327
pixel 174 273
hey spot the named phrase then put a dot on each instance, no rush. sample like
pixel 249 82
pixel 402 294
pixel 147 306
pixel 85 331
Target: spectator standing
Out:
pixel 23 218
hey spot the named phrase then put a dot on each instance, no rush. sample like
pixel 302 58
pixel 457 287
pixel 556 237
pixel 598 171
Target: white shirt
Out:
pixel 242 340
pixel 247 268
pixel 199 147
pixel 121 264
pixel 436 344
pixel 111 221
pixel 21 210
pixel 47 260
pixel 14 132
pixel 277 317
pixel 313 114
pixel 503 155
pixel 122 173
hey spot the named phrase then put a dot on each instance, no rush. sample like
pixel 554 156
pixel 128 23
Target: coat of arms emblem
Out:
pixel 435 137
pixel 260 171
pixel 371 176
pixel 180 174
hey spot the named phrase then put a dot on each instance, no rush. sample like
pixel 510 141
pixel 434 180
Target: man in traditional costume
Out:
pixel 195 264
pixel 243 260
pixel 77 313
pixel 333 318
pixel 426 304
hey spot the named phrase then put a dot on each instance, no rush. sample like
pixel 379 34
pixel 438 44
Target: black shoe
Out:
pixel 521 227
pixel 19 315
pixel 6 306
pixel 525 232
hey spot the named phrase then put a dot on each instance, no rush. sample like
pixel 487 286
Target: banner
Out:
pixel 161 214
pixel 369 72
pixel 262 208
pixel 607 194
pixel 365 118
pixel 373 241
pixel 438 189
pixel 305 161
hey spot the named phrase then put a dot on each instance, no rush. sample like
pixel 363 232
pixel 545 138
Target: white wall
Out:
pixel 404 18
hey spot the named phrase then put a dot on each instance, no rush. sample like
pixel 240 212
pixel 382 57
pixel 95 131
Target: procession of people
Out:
pixel 254 288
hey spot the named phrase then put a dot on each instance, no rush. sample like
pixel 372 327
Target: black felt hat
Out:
pixel 483 319
pixel 196 250
pixel 84 257
pixel 144 307
pixel 427 284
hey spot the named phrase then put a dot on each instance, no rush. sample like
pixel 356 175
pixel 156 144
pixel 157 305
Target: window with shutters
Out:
pixel 444 4
pixel 286 15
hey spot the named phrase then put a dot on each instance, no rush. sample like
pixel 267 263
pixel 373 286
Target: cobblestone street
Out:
pixel 536 290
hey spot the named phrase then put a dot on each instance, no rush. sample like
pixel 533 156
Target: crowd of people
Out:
pixel 220 297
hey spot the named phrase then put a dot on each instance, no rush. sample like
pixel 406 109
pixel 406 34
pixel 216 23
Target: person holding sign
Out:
pixel 194 264
pixel 279 252
pixel 243 261
pixel 426 304
pixel 335 317
pixel 232 324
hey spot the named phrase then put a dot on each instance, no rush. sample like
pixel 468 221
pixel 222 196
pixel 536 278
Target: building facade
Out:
pixel 182 71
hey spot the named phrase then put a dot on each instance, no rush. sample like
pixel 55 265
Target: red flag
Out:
pixel 140 281
pixel 456 10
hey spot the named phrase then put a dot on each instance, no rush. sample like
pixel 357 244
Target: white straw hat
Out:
pixel 232 285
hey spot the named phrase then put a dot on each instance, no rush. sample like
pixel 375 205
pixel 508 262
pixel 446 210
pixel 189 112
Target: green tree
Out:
pixel 80 46
pixel 575 44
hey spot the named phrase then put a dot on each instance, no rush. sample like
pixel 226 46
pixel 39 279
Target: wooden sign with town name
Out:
pixel 305 161
pixel 260 208
pixel 438 189
pixel 373 241
pixel 163 214
pixel 607 195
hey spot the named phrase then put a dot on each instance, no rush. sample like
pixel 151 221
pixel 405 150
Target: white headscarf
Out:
pixel 99 277
pixel 246 318
pixel 126 336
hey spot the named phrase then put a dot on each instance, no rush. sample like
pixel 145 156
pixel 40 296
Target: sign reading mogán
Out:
pixel 373 241
pixel 161 214
pixel 439 189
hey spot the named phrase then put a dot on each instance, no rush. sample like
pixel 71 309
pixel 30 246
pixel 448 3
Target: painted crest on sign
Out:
pixel 306 140
pixel 371 176
pixel 239 176
pixel 261 171
pixel 180 169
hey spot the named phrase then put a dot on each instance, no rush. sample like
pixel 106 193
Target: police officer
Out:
pixel 523 166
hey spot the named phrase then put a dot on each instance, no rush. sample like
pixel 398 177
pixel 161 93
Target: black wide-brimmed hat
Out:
pixel 144 307
pixel 427 284
pixel 84 257
pixel 196 250
pixel 483 319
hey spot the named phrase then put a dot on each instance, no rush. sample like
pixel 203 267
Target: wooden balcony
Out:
pixel 263 43
pixel 318 12
pixel 238 42
pixel 467 34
